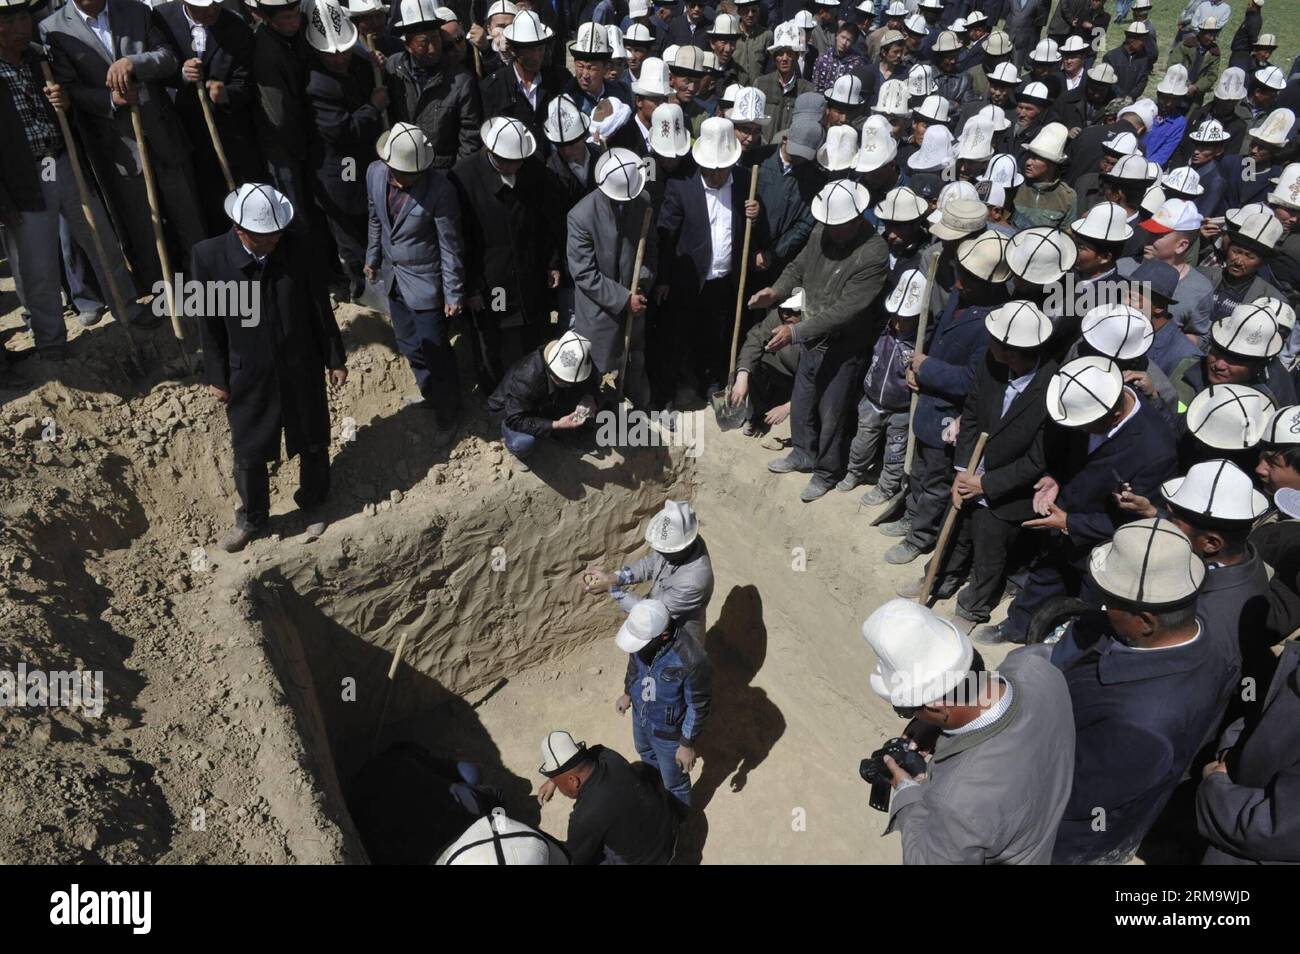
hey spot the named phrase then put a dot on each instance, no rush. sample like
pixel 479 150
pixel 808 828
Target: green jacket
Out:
pixel 840 286
pixel 1202 66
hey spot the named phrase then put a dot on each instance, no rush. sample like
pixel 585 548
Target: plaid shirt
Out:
pixel 34 109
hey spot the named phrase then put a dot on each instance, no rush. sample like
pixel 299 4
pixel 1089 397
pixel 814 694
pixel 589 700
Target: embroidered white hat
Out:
pixel 1041 255
pixel 1084 390
pixel 1282 312
pixel 508 138
pixel 976 140
pixel 787 36
pixel 839 150
pixel 936 151
pixel 984 256
pixel 565 122
pixel 907 297
pixel 749 108
pixel 960 218
pixel 1276 127
pixel 327 27
pixel 1184 180
pixel 1003 170
pixel 405 148
pixel 1283 427
pixel 419 16
pixel 878 147
pixel 840 201
pixel 1231 84
pixel 1148 564
pixel 1174 82
pixel 1286 187
pixel 568 357
pixel 803 20
pixel 920 80
pixel 1229 417
pixel 668 133
pixel 1019 324
pixel 1259 230
pixel 892 99
pixel 259 208
pixel 1209 131
pixel 617 51
pixel 1050 142
pixel 717 147
pixel 1217 489
pixel 1118 331
pixel 1249 330
pixel 901 204
pixel 1105 222
pixel 620 174
pixel 995 116
pixel 920 657
pixel 674 528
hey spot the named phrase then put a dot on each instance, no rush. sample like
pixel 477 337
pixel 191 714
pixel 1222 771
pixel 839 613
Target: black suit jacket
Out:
pixel 228 58
pixel 272 361
pixel 679 32
pixel 501 97
pixel 1014 456
pixel 684 227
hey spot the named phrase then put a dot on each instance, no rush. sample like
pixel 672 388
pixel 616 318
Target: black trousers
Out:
pixel 822 404
pixel 928 487
pixel 702 326
pixel 767 389
pixel 1058 572
pixel 254 486
pixel 981 552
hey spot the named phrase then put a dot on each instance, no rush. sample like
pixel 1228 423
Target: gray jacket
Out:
pixel 601 253
pixel 996 795
pixel 81 64
pixel 422 251
pixel 684 588
pixel 1026 17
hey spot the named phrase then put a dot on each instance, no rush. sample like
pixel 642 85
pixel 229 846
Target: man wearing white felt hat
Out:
pixel 416 253
pixel 523 88
pixel 253 362
pixel 619 816
pixel 998 738
pixel 1113 440
pixel 842 267
pixel 497 839
pixel 601 252
pixel 1148 670
pixel 536 396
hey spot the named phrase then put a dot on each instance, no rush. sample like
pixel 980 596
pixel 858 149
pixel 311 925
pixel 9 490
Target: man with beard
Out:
pixel 1032 105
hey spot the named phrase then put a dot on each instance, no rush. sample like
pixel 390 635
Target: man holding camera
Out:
pixel 1000 744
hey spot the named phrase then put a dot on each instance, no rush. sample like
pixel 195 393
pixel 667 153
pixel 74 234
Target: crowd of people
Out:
pixel 1031 293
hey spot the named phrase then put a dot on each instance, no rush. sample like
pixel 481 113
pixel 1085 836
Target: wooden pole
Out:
pixel 744 275
pixel 948 522
pixel 164 260
pixel 636 285
pixel 205 101
pixel 379 73
pixel 119 303
pixel 920 346
pixel 388 692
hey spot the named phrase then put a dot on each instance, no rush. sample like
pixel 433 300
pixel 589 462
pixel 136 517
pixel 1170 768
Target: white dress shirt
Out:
pixel 99 26
pixel 718 202
pixel 528 89
pixel 1096 440
pixel 198 33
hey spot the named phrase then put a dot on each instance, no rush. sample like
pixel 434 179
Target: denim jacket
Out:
pixel 673 691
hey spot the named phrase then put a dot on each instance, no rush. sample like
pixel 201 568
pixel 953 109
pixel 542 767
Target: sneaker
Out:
pixel 995 634
pixel 904 551
pixel 875 496
pixel 896 528
pixel 236 539
pixel 849 482
pixel 88 319
pixel 817 487
pixel 791 462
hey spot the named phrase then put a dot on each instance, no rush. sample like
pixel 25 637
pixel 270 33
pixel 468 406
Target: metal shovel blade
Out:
pixel 730 416
pixel 891 509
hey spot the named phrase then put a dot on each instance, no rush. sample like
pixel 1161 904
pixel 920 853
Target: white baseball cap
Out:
pixel 647 621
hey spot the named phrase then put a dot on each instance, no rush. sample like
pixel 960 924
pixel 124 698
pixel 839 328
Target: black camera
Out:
pixel 875 773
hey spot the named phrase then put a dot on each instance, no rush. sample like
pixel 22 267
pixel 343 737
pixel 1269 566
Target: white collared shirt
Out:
pixel 198 33
pixel 1015 388
pixel 1096 440
pixel 528 89
pixel 718 202
pixel 643 130
pixel 100 27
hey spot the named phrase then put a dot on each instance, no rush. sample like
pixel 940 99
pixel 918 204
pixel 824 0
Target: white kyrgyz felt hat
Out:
pixel 327 27
pixel 1084 390
pixel 787 36
pixel 620 174
pixel 1105 222
pixel 749 108
pixel 560 753
pixel 984 256
pixel 936 151
pixel 1184 180
pixel 646 621
pixel 1217 489
pixel 1046 52
pixel 1019 324
pixel 1174 82
pixel 1041 255
pixel 1249 330
pixel 1286 187
pixel 717 147
pixel 1118 331
pixel 908 296
pixel 668 134
pixel 839 150
pixel 405 148
pixel 1276 127
pixel 1050 142
pixel 901 204
pixel 846 91
pixel 920 80
pixel 995 116
pixel 508 138
pixel 527 29
pixel 976 140
pixel 794 302
pixel 892 99
pixel 1229 416
pixel 674 528
pixel 497 839
pixel 1002 169
pixel 878 147
pixel 568 357
pixel 933 109
pixel 259 208
pixel 960 218
pixel 1148 564
pixel 1282 312
pixel 840 201
pixel 1283 427
pixel 565 122
pixel 921 657
pixel 1210 131
pixel 1231 84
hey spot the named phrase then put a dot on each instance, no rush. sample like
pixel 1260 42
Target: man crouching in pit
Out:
pixel 268 366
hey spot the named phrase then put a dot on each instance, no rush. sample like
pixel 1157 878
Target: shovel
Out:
pixel 731 416
pixel 893 507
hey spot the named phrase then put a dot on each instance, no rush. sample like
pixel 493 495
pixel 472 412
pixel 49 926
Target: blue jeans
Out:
pixel 517 442
pixel 662 753
pixel 1122 8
